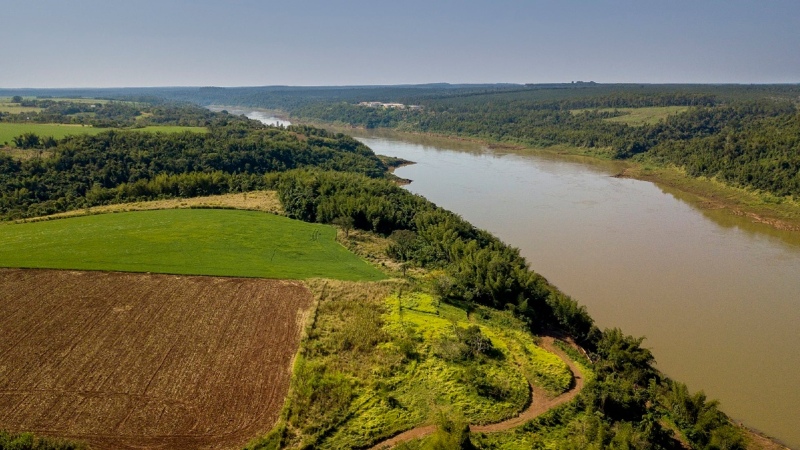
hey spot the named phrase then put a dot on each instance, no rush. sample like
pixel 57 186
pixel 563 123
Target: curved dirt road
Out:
pixel 540 404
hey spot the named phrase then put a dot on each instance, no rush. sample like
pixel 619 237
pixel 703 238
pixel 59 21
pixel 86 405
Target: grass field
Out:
pixel 639 116
pixel 266 201
pixel 15 108
pixel 127 361
pixel 8 131
pixel 184 241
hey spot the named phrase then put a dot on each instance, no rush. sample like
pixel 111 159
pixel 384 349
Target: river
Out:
pixel 717 297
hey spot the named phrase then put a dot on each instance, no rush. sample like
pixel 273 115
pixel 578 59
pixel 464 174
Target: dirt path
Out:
pixel 540 403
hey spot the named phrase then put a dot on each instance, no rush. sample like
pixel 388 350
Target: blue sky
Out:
pixel 80 43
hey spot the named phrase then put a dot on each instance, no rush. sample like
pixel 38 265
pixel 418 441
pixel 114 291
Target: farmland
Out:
pixel 135 360
pixel 182 241
pixel 8 131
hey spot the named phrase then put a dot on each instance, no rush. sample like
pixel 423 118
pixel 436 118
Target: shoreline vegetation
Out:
pixel 704 193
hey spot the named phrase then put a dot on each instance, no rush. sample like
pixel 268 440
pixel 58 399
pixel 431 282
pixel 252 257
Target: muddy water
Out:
pixel 717 297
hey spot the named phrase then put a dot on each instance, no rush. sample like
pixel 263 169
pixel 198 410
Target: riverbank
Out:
pixel 707 194
pixel 718 278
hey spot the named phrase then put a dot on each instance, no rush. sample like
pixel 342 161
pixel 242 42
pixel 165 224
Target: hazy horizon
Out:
pixel 244 43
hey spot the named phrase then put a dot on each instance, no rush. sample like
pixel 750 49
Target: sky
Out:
pixel 123 43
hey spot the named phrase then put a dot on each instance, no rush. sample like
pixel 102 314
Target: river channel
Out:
pixel 716 296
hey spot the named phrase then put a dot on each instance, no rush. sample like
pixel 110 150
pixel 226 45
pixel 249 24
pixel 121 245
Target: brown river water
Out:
pixel 716 296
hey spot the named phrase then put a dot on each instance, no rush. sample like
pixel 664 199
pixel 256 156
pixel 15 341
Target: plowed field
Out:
pixel 140 360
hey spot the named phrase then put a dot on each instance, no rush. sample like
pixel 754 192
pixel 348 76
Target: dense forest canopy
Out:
pixel 745 135
pixel 124 165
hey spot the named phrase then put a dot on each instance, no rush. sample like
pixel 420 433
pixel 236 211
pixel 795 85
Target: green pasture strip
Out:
pixel 15 108
pixel 8 131
pixel 169 129
pixel 638 116
pixel 187 242
pixel 647 116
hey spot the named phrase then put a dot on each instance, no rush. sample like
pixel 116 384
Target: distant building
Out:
pixel 389 105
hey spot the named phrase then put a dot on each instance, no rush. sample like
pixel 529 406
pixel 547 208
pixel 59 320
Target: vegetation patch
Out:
pixel 636 116
pixel 385 357
pixel 266 201
pixel 197 242
pixel 9 131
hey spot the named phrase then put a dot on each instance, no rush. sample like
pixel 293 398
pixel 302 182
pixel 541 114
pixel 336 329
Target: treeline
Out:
pixel 630 405
pixel 629 402
pixel 746 136
pixel 118 166
pixel 479 268
pixel 28 441
pixel 115 114
pixel 756 148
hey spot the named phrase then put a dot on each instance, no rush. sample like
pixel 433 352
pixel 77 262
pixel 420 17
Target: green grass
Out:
pixel 8 131
pixel 639 116
pixel 15 108
pixel 170 129
pixel 195 241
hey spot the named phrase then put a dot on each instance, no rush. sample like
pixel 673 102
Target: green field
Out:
pixel 187 241
pixel 639 116
pixel 15 108
pixel 8 131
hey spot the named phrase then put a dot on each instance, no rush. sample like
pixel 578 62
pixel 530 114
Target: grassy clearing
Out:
pixel 16 108
pixel 266 201
pixel 181 241
pixel 170 129
pixel 638 116
pixel 8 131
pixel 385 357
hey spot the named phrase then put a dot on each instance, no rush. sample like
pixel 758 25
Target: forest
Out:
pixel 744 135
pixel 629 405
pixel 120 165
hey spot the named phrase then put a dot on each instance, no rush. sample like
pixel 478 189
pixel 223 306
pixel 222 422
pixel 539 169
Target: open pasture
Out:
pixel 639 116
pixel 217 242
pixel 146 361
pixel 8 130
pixel 6 106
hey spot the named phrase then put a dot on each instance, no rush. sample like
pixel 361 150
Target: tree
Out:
pixel 346 223
pixel 16 99
pixel 27 140
pixel 403 247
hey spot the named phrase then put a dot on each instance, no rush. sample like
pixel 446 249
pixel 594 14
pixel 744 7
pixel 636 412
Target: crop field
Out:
pixel 146 361
pixel 8 131
pixel 217 242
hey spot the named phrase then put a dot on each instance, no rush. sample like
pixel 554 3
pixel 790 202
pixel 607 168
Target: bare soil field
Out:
pixel 146 361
